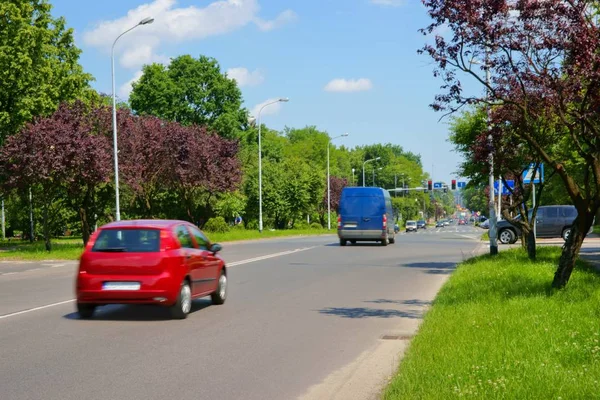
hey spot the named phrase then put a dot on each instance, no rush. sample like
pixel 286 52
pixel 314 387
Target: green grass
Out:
pixel 596 229
pixel 71 248
pixel 485 236
pixel 243 234
pixel 497 330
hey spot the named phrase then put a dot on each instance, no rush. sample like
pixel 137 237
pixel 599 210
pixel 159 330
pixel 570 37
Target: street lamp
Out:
pixel 145 21
pixel 379 169
pixel 260 218
pixel 492 206
pixel 328 183
pixel 372 159
pixel 353 170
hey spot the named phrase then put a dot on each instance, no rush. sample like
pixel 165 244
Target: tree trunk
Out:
pixel 531 249
pixel 47 241
pixel 83 216
pixel 570 251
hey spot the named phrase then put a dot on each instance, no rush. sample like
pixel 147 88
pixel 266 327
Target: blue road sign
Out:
pixel 437 185
pixel 461 185
pixel 528 174
pixel 505 191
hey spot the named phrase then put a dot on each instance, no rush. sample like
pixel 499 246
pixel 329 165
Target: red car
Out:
pixel 162 262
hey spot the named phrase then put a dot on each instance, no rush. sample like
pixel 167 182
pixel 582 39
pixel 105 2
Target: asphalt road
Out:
pixel 300 311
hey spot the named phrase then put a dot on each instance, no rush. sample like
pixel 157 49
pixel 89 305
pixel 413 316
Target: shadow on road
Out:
pixel 358 244
pixel 438 268
pixel 412 302
pixel 364 312
pixel 136 312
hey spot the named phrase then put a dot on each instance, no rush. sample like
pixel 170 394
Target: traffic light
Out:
pixel 453 184
pixel 429 185
pixel 445 189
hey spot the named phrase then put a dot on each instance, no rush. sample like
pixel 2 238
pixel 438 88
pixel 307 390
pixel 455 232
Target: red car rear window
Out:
pixel 128 240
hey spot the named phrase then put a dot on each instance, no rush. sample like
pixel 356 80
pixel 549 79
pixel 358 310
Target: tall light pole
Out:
pixel 353 170
pixel 260 218
pixel 379 169
pixel 491 203
pixel 328 183
pixel 145 21
pixel 372 159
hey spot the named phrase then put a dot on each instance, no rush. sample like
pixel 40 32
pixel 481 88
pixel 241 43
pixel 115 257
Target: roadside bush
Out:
pixel 301 225
pixel 216 224
pixel 238 227
pixel 316 225
pixel 252 225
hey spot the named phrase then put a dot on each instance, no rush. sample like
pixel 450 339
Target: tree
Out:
pixel 543 58
pixel 191 91
pixel 39 61
pixel 63 159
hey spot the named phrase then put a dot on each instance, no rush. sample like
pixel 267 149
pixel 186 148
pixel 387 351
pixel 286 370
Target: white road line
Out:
pixel 233 264
pixel 470 237
pixel 283 253
pixel 35 309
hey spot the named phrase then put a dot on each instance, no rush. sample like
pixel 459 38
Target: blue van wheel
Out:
pixel 342 242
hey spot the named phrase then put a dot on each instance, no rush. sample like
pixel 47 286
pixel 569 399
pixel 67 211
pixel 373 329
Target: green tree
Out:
pixel 191 91
pixel 39 64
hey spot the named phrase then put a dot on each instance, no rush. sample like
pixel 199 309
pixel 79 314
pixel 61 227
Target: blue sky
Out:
pixel 289 48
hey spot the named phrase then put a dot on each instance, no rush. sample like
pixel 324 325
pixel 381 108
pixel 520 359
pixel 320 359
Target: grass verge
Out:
pixel 497 330
pixel 70 249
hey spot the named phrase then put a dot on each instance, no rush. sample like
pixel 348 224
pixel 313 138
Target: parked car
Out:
pixel 163 262
pixel 551 222
pixel 411 226
pixel 485 224
pixel 363 215
pixel 421 224
pixel 462 222
pixel 439 224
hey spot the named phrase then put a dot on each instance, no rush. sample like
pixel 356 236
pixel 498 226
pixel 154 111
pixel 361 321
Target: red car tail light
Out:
pixel 339 222
pixel 167 242
pixel 92 240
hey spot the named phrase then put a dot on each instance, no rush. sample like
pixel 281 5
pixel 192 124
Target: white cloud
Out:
pixel 349 85
pixel 142 55
pixel 175 25
pixel 282 19
pixel 271 110
pixel 244 77
pixel 389 3
pixel 126 88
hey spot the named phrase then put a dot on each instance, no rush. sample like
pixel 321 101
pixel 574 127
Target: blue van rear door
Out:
pixel 362 211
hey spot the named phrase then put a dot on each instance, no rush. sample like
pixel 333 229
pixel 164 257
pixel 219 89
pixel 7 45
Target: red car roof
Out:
pixel 144 223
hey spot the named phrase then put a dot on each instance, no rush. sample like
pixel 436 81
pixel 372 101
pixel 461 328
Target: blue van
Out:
pixel 365 214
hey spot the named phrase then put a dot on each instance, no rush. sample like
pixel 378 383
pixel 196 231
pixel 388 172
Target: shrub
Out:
pixel 301 225
pixel 216 225
pixel 316 225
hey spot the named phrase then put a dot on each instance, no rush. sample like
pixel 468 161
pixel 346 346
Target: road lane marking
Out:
pixel 35 309
pixel 233 264
pixel 470 237
pixel 265 257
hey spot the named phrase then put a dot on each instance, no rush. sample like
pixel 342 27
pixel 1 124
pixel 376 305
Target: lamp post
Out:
pixel 372 159
pixel 145 21
pixel 379 169
pixel 353 170
pixel 260 218
pixel 328 183
pixel 491 203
